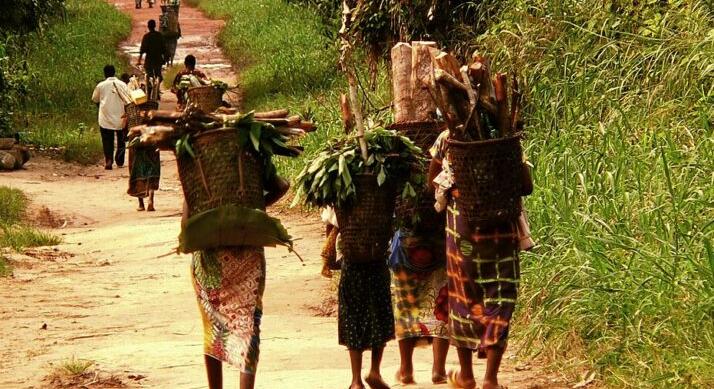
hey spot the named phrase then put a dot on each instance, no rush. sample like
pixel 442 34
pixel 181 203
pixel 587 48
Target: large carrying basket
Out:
pixel 207 98
pixel 489 178
pixel 135 113
pixel 220 173
pixel 366 223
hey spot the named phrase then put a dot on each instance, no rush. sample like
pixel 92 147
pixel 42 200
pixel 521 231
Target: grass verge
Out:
pixel 67 60
pixel 14 233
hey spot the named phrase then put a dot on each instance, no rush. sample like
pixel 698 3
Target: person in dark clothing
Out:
pixel 154 46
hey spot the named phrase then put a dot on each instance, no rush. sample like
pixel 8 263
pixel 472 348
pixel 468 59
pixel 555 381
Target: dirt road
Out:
pixel 114 293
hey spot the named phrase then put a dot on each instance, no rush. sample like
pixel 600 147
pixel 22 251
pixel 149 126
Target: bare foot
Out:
pixel 150 208
pixel 141 208
pixel 326 272
pixel 357 385
pixel 456 381
pixel 491 385
pixel 376 382
pixel 438 378
pixel 404 378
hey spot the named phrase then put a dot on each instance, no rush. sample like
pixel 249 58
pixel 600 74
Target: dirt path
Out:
pixel 113 293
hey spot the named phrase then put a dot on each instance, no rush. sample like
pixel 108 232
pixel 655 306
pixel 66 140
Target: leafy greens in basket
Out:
pixel 327 179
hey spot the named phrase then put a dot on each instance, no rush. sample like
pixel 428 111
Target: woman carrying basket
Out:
pixel 229 284
pixel 483 276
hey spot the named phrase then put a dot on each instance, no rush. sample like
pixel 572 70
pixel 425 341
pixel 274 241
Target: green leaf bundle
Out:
pixel 327 179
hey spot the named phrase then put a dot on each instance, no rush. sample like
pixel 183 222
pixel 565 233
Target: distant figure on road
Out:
pixel 111 96
pixel 154 46
pixel 187 76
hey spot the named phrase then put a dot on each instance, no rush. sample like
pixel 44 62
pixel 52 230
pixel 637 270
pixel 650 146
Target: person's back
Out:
pixel 111 95
pixel 154 47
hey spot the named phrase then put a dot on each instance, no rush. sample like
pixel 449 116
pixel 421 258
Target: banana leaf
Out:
pixel 232 225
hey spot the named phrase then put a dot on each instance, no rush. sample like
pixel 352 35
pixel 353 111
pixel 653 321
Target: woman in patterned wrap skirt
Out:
pixel 420 297
pixel 229 284
pixel 483 276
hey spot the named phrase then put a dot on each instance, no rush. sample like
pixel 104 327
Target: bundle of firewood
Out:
pixel 163 128
pixel 474 103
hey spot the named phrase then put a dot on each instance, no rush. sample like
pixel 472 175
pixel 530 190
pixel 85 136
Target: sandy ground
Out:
pixel 115 293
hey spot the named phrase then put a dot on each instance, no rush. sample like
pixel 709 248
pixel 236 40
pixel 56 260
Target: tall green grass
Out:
pixel 14 232
pixel 67 59
pixel 619 121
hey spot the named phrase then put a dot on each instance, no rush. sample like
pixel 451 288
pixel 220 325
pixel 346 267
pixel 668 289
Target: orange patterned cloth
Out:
pixel 229 284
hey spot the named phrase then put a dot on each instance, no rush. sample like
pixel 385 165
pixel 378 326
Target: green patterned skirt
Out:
pixel 144 171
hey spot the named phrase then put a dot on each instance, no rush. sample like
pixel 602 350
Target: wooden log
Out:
pixel 503 119
pixel 6 143
pixel 422 75
pixel 278 113
pixel 7 160
pixel 401 55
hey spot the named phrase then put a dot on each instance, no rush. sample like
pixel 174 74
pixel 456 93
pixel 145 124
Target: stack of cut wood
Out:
pixel 163 128
pixel 12 155
pixel 412 74
pixel 474 102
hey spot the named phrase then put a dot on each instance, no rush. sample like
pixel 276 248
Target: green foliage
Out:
pixel 328 179
pixel 378 24
pixel 620 98
pixel 23 16
pixel 290 65
pixel 62 64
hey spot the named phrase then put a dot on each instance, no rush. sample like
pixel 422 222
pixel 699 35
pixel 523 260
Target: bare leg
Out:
pixel 440 348
pixel 405 375
pixel 374 378
pixel 247 381
pixel 150 207
pixel 141 204
pixel 493 363
pixel 465 377
pixel 356 364
pixel 215 372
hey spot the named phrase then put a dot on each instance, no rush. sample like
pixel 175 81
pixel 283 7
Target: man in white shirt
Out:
pixel 111 95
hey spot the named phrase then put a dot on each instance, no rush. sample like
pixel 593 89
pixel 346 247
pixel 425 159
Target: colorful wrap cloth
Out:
pixel 144 171
pixel 484 273
pixel 229 284
pixel 365 319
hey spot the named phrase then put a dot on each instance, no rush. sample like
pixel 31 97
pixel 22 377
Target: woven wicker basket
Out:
pixel 207 98
pixel 489 178
pixel 220 173
pixel 423 134
pixel 366 224
pixel 135 113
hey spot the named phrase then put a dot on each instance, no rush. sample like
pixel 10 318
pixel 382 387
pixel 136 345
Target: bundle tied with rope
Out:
pixel 225 162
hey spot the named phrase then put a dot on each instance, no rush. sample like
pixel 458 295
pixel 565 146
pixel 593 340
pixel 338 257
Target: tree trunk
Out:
pixel 422 76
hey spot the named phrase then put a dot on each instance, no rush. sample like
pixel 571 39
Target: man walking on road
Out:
pixel 111 95
pixel 154 46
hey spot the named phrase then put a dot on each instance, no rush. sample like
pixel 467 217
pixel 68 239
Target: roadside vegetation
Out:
pixel 620 101
pixel 15 233
pixel 51 69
